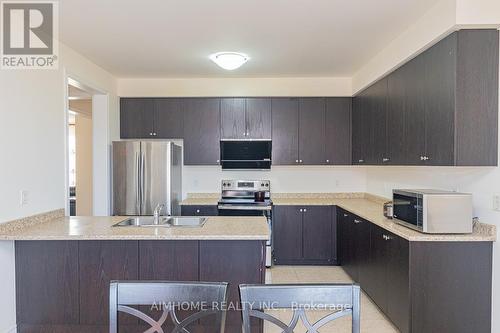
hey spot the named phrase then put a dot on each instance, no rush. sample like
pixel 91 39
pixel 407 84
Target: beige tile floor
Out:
pixel 372 320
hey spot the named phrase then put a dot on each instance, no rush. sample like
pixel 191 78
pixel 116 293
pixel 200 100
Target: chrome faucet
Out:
pixel 157 212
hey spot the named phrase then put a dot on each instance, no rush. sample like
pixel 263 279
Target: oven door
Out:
pixel 408 209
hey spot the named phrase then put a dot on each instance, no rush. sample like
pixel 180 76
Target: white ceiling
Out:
pixel 173 38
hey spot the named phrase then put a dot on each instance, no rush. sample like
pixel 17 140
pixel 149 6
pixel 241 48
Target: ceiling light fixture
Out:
pixel 229 60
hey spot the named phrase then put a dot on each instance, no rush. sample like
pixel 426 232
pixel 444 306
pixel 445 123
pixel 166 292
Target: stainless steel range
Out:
pixel 248 198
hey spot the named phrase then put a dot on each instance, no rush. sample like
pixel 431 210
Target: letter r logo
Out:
pixel 27 28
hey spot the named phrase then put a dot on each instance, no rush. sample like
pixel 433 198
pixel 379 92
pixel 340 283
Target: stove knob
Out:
pixel 262 184
pixel 267 185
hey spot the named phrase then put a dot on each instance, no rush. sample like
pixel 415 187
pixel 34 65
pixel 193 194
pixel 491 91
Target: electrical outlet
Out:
pixel 496 202
pixel 23 197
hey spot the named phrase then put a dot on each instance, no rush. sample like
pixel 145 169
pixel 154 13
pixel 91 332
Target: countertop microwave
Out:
pixel 433 211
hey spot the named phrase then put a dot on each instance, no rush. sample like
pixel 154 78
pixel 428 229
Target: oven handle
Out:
pixel 245 207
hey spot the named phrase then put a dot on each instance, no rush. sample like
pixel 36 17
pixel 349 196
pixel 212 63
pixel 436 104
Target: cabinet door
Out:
pixel 201 131
pixel 136 118
pixel 377 117
pixel 376 286
pixel 285 131
pixel 168 118
pixel 233 125
pixel 361 249
pixel 258 118
pixel 287 233
pixel 99 263
pixel 348 245
pixel 317 233
pixel 440 78
pixel 338 131
pixel 312 131
pixel 398 295
pixel 396 117
pixel 201 210
pixel 360 129
pixel 415 110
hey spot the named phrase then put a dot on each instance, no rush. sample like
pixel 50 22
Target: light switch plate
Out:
pixel 23 197
pixel 496 202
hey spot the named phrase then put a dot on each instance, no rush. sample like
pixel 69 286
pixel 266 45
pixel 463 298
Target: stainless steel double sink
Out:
pixel 164 221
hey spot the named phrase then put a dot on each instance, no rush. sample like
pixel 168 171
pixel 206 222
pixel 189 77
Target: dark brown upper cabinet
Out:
pixel 285 131
pixel 168 123
pixel 258 118
pixel 136 118
pixel 246 118
pixel 201 131
pixel 441 108
pixel 312 131
pixel 151 118
pixel 233 122
pixel 338 130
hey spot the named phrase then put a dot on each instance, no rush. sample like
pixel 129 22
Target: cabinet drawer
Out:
pixel 201 210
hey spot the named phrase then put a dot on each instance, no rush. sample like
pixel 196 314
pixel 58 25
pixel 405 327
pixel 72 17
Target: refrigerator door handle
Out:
pixel 142 179
pixel 137 182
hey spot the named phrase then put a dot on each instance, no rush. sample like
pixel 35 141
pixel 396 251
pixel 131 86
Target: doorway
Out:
pixel 80 150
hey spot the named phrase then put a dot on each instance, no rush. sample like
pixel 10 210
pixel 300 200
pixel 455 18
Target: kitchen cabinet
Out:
pixel 304 235
pixel 338 131
pixel 202 131
pixel 63 286
pixel 233 119
pixel 397 87
pixel 246 118
pixel 317 240
pixel 361 130
pixel 168 121
pixel 421 114
pixel 312 131
pixel 199 210
pixel 136 118
pixel 287 234
pixel 100 262
pixel 151 118
pixel 258 118
pixel 285 131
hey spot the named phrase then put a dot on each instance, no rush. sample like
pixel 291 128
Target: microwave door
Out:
pixel 408 209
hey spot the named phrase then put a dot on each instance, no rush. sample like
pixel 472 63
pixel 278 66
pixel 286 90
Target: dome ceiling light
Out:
pixel 229 60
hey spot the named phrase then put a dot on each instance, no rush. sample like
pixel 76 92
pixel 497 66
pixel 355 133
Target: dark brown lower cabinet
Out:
pixel 304 235
pixel 420 286
pixel 63 286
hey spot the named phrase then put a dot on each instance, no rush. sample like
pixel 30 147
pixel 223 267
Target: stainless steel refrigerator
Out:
pixel 145 174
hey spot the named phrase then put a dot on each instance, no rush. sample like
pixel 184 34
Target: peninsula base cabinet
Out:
pixel 421 286
pixel 63 286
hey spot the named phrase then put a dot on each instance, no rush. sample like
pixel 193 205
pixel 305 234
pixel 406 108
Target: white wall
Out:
pixel 32 134
pixel 283 179
pixel 198 87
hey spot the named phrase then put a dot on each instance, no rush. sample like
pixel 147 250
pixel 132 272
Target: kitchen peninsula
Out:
pixel 64 265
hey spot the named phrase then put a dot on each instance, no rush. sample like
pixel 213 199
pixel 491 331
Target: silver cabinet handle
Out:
pixel 385 160
pixel 422 158
pixel 357 221
pixel 300 210
pixel 327 161
pixel 197 211
pixel 296 161
pixel 305 210
pixel 361 161
pixel 300 161
pixel 345 215
pixel 426 158
pixel 218 161
pixel 150 133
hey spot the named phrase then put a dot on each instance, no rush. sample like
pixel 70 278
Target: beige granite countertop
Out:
pixel 370 208
pixel 201 199
pixel 100 228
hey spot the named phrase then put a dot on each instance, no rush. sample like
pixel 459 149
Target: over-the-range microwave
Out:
pixel 433 211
